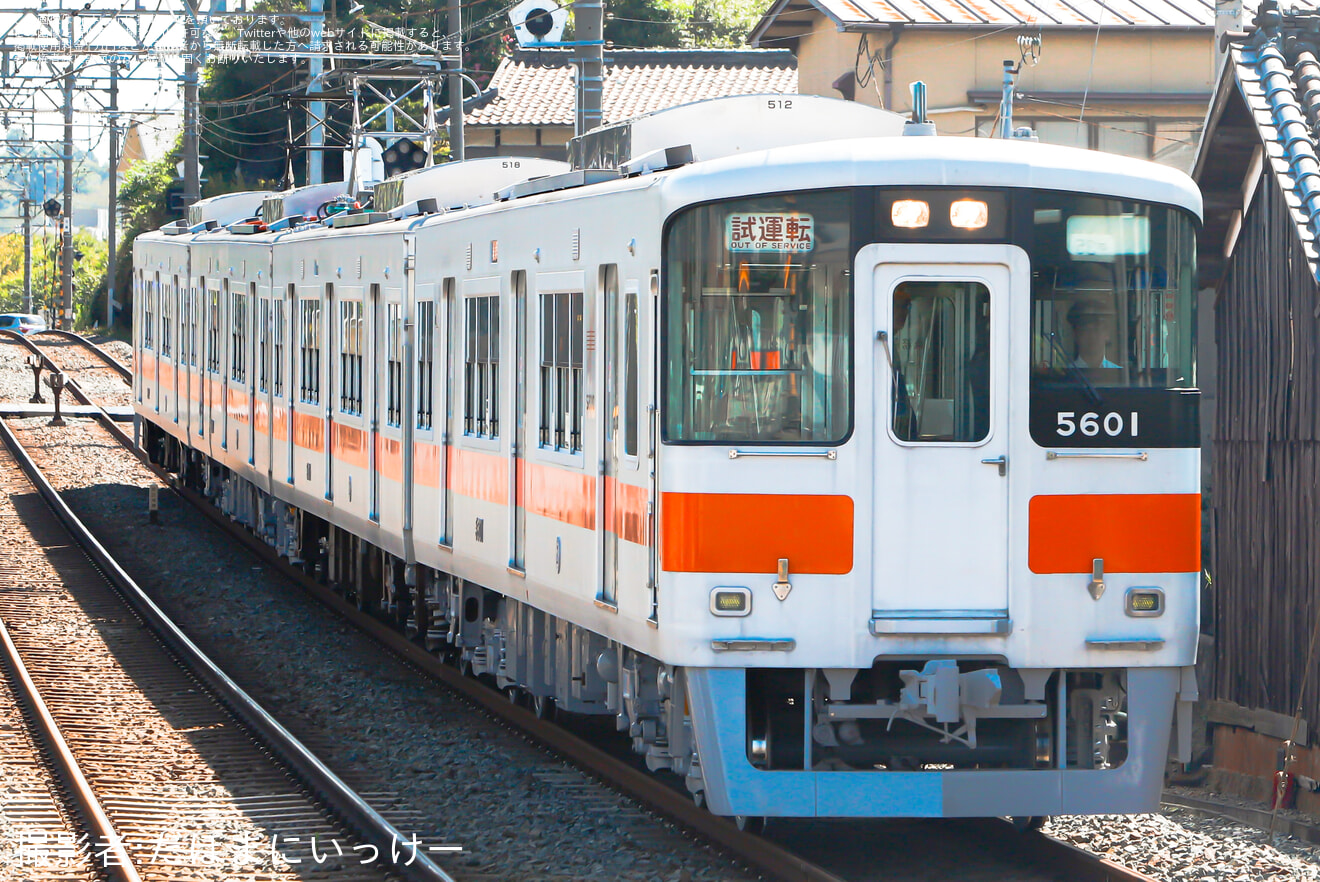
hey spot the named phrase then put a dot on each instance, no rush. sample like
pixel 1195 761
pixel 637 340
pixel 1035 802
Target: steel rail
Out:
pixel 334 794
pixel 766 856
pixel 66 764
pixel 124 373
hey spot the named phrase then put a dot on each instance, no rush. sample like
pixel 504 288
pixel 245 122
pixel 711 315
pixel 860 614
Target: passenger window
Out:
pixel 758 311
pixel 941 362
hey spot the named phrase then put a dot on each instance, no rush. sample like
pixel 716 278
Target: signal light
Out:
pixel 402 156
pixel 52 208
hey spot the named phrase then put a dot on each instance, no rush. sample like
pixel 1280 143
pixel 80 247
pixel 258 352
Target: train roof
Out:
pixel 932 161
pixel 885 161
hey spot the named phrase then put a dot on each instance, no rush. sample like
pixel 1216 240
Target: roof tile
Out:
pixel 536 89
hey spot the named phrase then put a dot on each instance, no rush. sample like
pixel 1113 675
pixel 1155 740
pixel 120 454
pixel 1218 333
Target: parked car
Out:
pixel 24 323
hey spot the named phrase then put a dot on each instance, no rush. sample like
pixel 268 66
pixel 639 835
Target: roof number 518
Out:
pixel 780 104
pixel 1091 424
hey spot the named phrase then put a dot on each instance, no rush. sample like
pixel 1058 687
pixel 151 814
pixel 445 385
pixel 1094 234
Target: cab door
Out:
pixel 942 434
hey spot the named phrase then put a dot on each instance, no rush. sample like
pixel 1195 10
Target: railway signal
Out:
pixel 403 155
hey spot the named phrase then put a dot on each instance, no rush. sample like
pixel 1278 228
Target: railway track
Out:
pixel 795 850
pixel 172 779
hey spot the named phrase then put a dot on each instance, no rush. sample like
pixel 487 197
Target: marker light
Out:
pixel 1145 602
pixel 969 214
pixel 910 214
pixel 731 601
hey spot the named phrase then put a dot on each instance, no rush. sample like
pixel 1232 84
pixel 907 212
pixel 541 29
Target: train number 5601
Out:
pixel 1092 424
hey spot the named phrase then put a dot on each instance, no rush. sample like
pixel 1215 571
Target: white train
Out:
pixel 855 474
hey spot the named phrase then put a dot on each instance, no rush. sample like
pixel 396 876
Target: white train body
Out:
pixel 832 513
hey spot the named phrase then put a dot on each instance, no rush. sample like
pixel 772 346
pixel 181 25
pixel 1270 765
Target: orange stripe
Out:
pixel 625 510
pixel 261 420
pixel 479 475
pixel 1132 533
pixel 309 431
pixel 238 404
pixel 749 533
pixel 350 445
pixel 426 464
pixel 558 493
pixel 389 458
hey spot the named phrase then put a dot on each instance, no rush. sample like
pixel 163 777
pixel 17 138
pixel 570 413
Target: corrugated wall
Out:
pixel 1266 466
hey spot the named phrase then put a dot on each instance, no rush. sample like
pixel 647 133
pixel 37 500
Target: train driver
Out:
pixel 1092 321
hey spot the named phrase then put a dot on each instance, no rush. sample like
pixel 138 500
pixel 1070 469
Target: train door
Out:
pixel 253 313
pixel 447 433
pixel 263 429
pixel 632 425
pixel 379 356
pixel 325 378
pixel 607 482
pixel 942 430
pixel 177 349
pixel 155 300
pixel 284 374
pixel 518 447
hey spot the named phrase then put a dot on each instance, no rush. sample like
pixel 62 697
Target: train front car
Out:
pixel 929 530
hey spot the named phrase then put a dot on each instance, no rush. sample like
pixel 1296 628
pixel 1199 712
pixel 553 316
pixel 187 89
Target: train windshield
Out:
pixel 1113 320
pixel 759 321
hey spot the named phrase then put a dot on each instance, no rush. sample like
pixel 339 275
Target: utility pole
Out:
pixel 316 109
pixel 454 83
pixel 64 313
pixel 192 185
pixel 589 25
pixel 27 242
pixel 114 198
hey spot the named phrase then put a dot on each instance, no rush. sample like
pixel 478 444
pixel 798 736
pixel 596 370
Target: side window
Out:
pixel 562 336
pixel 394 364
pixel 238 337
pixel 167 318
pixel 213 331
pixel 481 366
pixel 631 376
pixel 149 315
pixel 309 373
pixel 425 363
pixel 279 343
pixel 263 345
pixel 352 342
pixel 941 355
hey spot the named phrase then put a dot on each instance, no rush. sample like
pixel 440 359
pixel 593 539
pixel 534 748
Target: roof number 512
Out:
pixel 780 104
pixel 1091 424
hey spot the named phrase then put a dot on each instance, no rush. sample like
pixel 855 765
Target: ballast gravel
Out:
pixel 1181 846
pixel 97 379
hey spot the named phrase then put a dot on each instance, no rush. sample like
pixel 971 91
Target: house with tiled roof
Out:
pixel 1127 76
pixel 1259 171
pixel 534 113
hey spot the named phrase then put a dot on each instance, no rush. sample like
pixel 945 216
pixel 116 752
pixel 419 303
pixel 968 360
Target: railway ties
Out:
pixel 178 781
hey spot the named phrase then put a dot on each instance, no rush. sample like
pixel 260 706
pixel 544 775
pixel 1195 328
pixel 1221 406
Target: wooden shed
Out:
pixel 1258 170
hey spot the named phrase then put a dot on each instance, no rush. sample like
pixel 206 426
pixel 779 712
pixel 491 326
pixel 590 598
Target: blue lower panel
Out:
pixel 735 787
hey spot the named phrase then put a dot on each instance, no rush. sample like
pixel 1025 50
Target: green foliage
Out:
pixel 88 274
pixel 689 24
pixel 712 24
